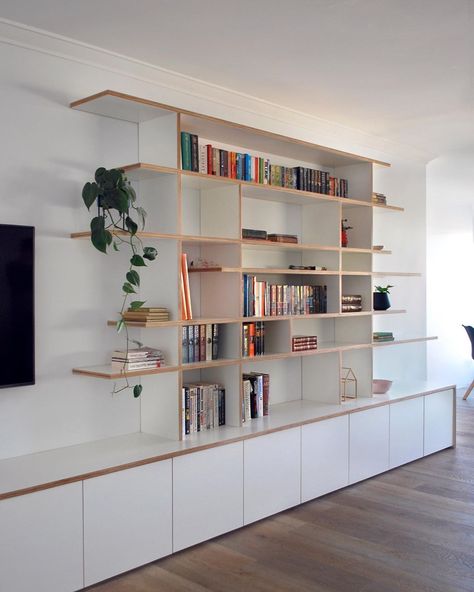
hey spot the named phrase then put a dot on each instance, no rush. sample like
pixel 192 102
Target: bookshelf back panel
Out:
pixel 274 217
pixel 159 405
pixel 356 261
pixel 158 195
pixel 285 378
pixel 210 210
pixel 157 140
pixel 324 329
pixel 320 378
pixel 353 329
pixel 359 177
pixel 222 255
pixel 360 360
pixel 219 294
pixel 159 279
pixel 165 339
pixel 321 224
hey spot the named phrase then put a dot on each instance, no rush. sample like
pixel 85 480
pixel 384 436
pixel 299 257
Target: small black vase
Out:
pixel 381 301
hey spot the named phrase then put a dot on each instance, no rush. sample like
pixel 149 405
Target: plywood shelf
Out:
pixel 395 274
pixel 110 373
pixel 403 341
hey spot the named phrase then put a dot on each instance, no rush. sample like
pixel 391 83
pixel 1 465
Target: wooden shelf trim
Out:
pixel 279 137
pixel 110 373
pixel 403 341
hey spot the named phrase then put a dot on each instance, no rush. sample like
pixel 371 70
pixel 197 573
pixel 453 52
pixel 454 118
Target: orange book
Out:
pixel 184 308
pixel 251 340
pixel 187 294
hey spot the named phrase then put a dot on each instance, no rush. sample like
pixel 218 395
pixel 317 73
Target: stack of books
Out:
pixel 200 343
pixel 380 336
pixel 210 160
pixel 253 339
pixel 283 238
pixel 264 299
pixel 254 234
pixel 304 342
pixel 351 303
pixel 146 316
pixel 143 358
pixel 203 407
pixel 379 198
pixel 256 395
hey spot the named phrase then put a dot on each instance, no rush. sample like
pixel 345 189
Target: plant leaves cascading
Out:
pixel 115 225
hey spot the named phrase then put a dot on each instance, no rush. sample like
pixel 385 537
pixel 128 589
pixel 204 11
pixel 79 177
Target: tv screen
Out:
pixel 17 333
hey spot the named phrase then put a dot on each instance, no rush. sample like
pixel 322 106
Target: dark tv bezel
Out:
pixel 33 229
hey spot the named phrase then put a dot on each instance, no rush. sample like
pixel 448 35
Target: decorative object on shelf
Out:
pixel 114 225
pixel 254 234
pixel 351 303
pixel 381 386
pixel 381 299
pixel 201 264
pixel 344 228
pixel 348 384
pixel 380 336
pixel 379 199
pixel 377 247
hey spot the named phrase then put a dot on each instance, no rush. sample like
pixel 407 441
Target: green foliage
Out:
pixel 116 223
pixel 384 289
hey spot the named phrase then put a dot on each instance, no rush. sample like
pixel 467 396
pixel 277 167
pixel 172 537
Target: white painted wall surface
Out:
pixel 47 153
pixel 450 265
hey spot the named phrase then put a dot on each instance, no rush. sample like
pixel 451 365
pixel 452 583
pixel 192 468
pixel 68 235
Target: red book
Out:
pixel 266 393
pixel 209 159
pixel 251 340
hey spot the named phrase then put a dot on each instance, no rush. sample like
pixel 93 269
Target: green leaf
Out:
pixel 90 192
pixel 98 234
pixel 137 261
pixel 115 246
pixel 137 390
pixel 128 288
pixel 150 253
pixel 131 225
pixel 133 277
pixel 115 176
pixel 142 215
pixel 137 343
pixel 108 237
pixel 122 201
pixel 99 174
pixel 136 304
pixel 120 325
pixel 131 193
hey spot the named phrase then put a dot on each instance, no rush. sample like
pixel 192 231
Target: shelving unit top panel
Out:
pixel 51 468
pixel 118 105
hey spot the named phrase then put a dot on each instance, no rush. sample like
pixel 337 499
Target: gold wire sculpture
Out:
pixel 348 384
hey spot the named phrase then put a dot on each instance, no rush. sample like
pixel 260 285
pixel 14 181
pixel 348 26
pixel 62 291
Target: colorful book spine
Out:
pixel 203 407
pixel 186 151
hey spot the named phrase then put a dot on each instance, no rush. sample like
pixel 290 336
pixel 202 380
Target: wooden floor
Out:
pixel 409 530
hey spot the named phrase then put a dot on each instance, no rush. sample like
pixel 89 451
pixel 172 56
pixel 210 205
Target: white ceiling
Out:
pixel 401 69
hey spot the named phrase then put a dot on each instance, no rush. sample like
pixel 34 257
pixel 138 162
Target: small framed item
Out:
pixel 348 384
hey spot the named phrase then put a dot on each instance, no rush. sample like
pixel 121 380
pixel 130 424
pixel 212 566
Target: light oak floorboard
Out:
pixel 408 530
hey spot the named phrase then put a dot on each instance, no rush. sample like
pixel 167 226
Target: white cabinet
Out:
pixel 41 541
pixel 406 431
pixel 272 473
pixel 368 443
pixel 207 494
pixel 324 457
pixel 439 421
pixel 127 520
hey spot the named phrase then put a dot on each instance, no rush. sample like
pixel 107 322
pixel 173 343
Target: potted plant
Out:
pixel 114 225
pixel 381 299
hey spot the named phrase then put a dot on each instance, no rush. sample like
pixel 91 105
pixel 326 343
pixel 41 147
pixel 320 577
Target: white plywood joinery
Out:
pixel 203 216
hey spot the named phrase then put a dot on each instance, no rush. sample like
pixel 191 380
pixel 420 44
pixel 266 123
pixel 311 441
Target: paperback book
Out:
pixel 203 407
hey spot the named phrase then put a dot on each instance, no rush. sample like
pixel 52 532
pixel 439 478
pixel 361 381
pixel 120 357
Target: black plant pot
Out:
pixel 381 301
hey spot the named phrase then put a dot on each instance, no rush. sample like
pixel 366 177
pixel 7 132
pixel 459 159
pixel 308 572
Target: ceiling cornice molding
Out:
pixel 194 94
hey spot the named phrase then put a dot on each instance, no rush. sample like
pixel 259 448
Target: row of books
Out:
pixel 209 160
pixel 256 395
pixel 146 315
pixel 203 407
pixel 304 342
pixel 379 198
pixel 257 234
pixel 264 299
pixel 141 358
pixel 200 343
pixel 351 303
pixel 379 336
pixel 253 339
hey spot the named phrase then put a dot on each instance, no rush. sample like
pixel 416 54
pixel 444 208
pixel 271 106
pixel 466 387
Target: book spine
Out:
pixel 202 343
pixel 203 159
pixel 208 342
pixel 194 153
pixel 215 341
pixel 187 416
pixel 197 348
pixel 185 151
pixel 266 394
pixel 185 345
pixel 209 159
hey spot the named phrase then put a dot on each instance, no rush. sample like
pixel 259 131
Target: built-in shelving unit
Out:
pixel 203 216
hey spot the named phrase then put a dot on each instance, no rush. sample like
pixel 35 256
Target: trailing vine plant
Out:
pixel 116 224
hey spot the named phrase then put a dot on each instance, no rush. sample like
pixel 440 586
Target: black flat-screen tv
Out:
pixel 17 305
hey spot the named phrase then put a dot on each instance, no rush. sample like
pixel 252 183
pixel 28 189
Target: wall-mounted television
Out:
pixel 17 305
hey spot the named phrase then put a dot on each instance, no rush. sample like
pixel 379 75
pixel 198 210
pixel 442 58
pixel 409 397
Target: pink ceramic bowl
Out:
pixel 380 386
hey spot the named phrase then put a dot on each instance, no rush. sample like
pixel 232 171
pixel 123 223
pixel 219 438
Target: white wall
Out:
pixel 48 151
pixel 450 265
